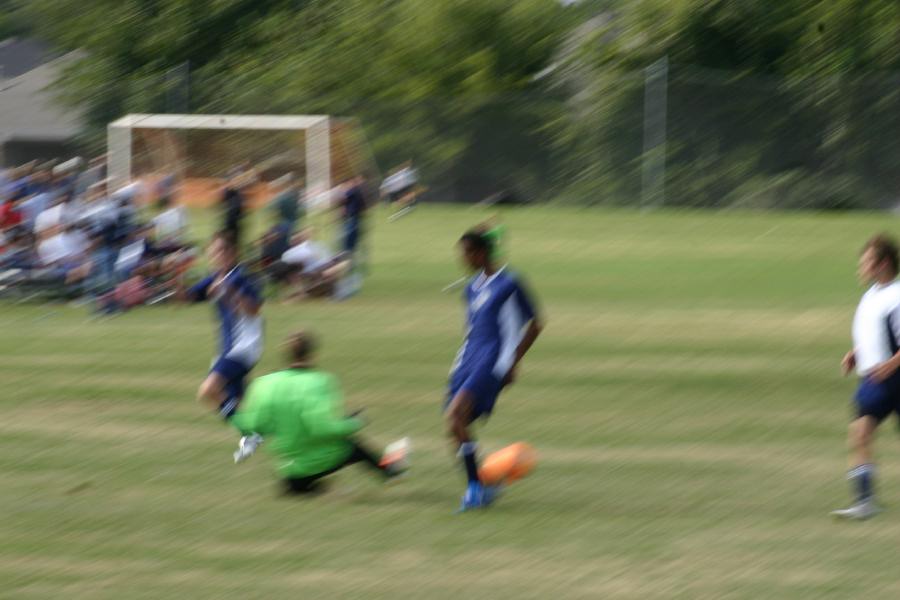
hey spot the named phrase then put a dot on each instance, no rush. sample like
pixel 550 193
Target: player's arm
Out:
pixel 198 292
pixel 533 328
pixel 886 369
pixel 240 294
pixel 848 363
pixel 323 418
pixel 532 331
pixel 248 299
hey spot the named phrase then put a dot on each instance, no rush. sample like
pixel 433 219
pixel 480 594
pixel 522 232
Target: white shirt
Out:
pixel 130 255
pixel 170 224
pixel 98 213
pixel 60 248
pixel 48 218
pixel 876 322
pixel 400 180
pixel 311 255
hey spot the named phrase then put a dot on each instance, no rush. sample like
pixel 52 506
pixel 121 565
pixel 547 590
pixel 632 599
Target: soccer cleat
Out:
pixel 859 511
pixel 246 447
pixel 395 460
pixel 479 496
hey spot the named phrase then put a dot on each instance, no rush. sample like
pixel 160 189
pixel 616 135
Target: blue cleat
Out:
pixel 479 496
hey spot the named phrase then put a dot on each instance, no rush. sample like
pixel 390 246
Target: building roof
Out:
pixel 20 55
pixel 28 110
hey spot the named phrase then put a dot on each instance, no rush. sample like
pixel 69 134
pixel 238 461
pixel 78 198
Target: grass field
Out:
pixel 685 400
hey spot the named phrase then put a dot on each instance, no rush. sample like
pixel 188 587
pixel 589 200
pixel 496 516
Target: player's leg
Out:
pixel 873 404
pixel 393 462
pixel 458 416
pixel 861 435
pixel 222 391
pixel 462 410
pixel 211 392
pixel 303 486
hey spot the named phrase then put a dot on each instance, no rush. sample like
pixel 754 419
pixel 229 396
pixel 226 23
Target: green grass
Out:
pixel 685 400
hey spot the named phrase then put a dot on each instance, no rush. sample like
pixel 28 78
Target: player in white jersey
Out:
pixel 876 358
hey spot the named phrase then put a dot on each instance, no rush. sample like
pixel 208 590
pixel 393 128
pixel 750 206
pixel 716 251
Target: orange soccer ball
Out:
pixel 508 464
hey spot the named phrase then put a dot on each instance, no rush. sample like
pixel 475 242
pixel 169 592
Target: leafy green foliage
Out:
pixel 524 95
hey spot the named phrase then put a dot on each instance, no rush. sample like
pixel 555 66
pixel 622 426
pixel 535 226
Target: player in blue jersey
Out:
pixel 502 324
pixel 237 304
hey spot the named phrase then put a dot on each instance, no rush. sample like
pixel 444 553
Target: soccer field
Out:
pixel 685 400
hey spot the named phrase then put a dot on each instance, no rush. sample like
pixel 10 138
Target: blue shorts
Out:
pixel 482 384
pixel 234 373
pixel 878 400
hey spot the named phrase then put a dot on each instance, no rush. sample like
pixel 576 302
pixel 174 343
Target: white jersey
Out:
pixel 311 255
pixel 399 181
pixel 876 326
pixel 171 225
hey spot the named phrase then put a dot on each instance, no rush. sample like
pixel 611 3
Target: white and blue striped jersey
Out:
pixel 241 336
pixel 497 310
pixel 876 326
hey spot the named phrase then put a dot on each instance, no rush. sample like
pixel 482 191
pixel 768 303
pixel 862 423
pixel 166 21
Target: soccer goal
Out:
pixel 196 154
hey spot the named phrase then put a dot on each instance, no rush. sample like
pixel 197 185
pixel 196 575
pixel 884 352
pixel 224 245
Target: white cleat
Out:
pixel 396 457
pixel 860 511
pixel 246 447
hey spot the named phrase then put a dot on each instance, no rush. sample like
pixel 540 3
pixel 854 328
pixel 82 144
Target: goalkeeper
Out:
pixel 298 411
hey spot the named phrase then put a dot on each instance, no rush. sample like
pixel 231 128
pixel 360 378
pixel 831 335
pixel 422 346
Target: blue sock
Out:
pixel 467 450
pixel 862 478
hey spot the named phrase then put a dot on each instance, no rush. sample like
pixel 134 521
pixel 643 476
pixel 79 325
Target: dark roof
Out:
pixel 18 56
pixel 28 110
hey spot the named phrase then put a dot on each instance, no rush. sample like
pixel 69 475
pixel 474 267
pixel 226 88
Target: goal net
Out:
pixel 194 155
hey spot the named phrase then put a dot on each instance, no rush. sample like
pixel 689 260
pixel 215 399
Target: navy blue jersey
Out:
pixel 241 336
pixel 497 309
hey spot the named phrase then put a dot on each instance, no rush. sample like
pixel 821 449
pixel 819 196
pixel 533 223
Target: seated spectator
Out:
pixel 285 205
pixel 10 214
pixel 17 249
pixel 312 268
pixel 401 188
pixel 64 252
pixel 56 213
pixel 171 224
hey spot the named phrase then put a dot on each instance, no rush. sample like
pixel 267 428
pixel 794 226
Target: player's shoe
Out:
pixel 395 460
pixel 479 496
pixel 860 511
pixel 247 446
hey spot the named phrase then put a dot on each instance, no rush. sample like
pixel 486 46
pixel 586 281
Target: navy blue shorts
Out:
pixel 878 400
pixel 482 384
pixel 234 373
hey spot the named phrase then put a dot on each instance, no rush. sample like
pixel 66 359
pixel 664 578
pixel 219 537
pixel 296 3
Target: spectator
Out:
pixel 272 245
pixel 10 214
pixel 286 203
pixel 17 249
pixel 46 222
pixel 95 173
pixel 233 204
pixel 352 208
pixel 64 252
pixel 311 268
pixel 171 224
pixel 401 188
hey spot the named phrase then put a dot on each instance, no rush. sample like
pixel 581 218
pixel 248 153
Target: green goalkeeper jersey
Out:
pixel 299 412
